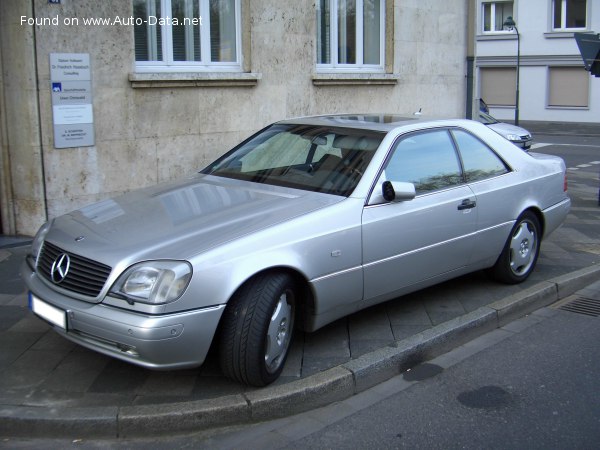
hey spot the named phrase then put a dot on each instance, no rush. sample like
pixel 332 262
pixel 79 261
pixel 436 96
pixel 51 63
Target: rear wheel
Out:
pixel 257 328
pixel 521 251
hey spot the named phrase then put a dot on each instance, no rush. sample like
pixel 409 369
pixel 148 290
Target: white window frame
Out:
pixel 563 17
pixel 334 66
pixel 493 17
pixel 168 64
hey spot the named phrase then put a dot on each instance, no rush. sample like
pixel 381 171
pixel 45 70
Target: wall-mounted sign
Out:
pixel 71 84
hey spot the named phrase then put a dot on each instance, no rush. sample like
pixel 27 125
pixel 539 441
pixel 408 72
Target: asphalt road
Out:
pixel 575 150
pixel 537 389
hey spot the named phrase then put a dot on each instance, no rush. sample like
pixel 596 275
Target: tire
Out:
pixel 257 328
pixel 521 251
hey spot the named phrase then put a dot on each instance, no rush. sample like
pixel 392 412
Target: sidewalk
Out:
pixel 51 387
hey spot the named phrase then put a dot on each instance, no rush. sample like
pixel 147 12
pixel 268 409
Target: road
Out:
pixel 574 150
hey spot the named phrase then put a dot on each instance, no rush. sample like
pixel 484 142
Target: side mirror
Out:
pixel 397 191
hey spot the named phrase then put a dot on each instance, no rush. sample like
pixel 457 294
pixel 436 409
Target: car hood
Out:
pixel 179 220
pixel 506 128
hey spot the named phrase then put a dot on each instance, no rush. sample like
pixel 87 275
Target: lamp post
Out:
pixel 510 25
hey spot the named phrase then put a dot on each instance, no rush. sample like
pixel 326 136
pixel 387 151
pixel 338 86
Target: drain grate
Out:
pixel 583 305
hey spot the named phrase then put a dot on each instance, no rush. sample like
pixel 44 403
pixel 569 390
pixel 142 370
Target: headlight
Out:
pixel 154 282
pixel 512 137
pixel 38 240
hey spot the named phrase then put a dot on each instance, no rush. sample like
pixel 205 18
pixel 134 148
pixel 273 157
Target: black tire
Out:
pixel 257 328
pixel 521 251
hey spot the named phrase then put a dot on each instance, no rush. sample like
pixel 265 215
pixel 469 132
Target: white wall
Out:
pixel 540 48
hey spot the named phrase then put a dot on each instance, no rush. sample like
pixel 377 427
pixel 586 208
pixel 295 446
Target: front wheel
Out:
pixel 521 251
pixel 257 328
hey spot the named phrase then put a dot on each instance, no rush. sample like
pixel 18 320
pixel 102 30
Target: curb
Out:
pixel 318 390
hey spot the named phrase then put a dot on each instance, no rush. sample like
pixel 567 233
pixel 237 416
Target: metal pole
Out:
pixel 518 70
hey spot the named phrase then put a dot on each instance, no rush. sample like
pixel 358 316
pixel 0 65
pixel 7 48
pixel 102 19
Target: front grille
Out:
pixel 84 276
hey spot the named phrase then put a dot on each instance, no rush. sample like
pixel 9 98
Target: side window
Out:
pixel 479 161
pixel 428 160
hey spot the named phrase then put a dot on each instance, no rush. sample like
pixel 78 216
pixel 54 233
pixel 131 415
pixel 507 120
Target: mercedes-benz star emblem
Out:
pixel 60 268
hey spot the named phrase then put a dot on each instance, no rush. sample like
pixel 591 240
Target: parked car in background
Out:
pixel 517 135
pixel 305 222
pixel 483 107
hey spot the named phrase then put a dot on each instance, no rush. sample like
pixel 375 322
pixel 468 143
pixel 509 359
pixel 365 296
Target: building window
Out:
pixel 569 14
pixel 187 35
pixel 568 87
pixel 498 85
pixel 494 14
pixel 351 35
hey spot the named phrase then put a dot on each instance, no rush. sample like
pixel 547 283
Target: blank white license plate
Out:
pixel 52 314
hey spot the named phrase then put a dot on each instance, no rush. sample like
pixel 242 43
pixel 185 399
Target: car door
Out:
pixel 488 177
pixel 408 242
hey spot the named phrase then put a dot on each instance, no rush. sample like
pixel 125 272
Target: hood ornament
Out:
pixel 79 238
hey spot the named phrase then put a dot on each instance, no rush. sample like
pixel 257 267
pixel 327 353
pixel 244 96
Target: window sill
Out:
pixel 571 108
pixel 497 37
pixel 563 34
pixel 193 79
pixel 354 79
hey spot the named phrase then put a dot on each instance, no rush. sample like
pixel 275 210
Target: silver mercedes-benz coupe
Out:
pixel 306 221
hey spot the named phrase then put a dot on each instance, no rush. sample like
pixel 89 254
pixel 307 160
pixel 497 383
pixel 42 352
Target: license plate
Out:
pixel 48 312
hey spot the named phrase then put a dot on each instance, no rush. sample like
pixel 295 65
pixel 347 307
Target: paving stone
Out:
pixel 118 376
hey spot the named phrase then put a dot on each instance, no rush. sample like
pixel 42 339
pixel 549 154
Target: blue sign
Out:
pixel 56 87
pixel 55 2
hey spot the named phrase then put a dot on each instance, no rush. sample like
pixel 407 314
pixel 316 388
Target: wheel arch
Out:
pixel 540 217
pixel 306 295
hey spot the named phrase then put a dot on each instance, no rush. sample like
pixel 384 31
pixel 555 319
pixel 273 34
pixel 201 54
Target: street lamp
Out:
pixel 510 25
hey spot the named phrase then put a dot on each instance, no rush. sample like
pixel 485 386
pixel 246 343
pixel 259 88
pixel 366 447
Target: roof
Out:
pixel 379 122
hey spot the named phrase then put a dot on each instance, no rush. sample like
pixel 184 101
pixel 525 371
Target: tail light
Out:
pixel 565 184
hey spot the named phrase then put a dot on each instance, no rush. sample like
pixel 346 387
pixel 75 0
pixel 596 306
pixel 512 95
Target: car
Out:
pixel 483 107
pixel 517 135
pixel 303 223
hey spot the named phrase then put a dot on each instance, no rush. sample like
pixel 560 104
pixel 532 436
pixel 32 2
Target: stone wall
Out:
pixel 146 135
pixel 21 167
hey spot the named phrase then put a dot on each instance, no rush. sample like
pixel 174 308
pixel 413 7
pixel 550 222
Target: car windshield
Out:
pixel 314 158
pixel 486 119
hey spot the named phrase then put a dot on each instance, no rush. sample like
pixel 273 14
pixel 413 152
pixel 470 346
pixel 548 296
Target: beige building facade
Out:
pixel 160 113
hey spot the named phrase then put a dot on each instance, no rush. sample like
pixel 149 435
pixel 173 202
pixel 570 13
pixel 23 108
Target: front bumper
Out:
pixel 169 341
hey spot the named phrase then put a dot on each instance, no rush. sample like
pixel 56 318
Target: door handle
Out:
pixel 467 204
